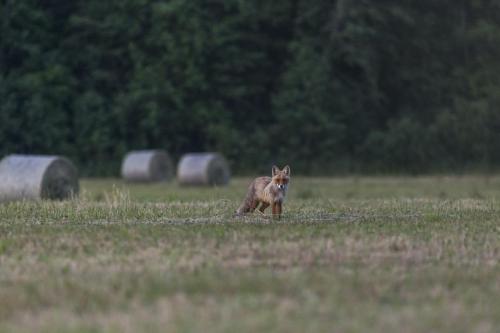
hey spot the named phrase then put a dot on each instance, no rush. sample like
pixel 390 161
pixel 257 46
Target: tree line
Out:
pixel 325 86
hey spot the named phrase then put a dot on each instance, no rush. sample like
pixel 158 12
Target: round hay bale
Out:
pixel 147 166
pixel 203 169
pixel 32 177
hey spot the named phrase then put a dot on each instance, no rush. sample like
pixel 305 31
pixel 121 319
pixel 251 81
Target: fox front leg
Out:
pixel 277 210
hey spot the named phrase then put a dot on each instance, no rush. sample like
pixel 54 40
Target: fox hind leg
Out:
pixel 253 206
pixel 263 207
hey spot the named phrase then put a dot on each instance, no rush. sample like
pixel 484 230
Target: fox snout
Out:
pixel 281 186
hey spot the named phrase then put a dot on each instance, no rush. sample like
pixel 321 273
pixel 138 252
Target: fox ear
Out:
pixel 275 171
pixel 286 170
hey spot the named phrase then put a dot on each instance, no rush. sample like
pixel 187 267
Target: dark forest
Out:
pixel 325 86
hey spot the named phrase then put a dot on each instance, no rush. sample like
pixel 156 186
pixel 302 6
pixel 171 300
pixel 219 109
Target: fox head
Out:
pixel 281 178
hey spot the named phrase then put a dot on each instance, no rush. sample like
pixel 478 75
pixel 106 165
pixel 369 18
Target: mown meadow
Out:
pixel 351 254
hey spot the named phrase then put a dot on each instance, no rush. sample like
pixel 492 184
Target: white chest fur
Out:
pixel 273 194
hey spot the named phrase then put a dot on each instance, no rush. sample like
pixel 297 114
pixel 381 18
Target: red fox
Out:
pixel 267 191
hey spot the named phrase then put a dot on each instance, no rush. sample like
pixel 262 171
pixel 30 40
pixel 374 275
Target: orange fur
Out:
pixel 267 191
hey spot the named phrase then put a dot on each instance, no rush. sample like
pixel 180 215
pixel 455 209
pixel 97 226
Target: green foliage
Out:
pixel 326 86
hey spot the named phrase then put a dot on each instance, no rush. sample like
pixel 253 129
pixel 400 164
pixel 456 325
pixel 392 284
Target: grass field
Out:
pixel 350 255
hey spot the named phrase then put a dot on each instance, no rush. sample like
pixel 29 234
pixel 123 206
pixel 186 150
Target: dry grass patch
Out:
pixel 350 255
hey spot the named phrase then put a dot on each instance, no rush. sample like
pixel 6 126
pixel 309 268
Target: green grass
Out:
pixel 350 255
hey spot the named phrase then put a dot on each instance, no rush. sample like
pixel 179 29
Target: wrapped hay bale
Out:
pixel 203 169
pixel 32 177
pixel 147 166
